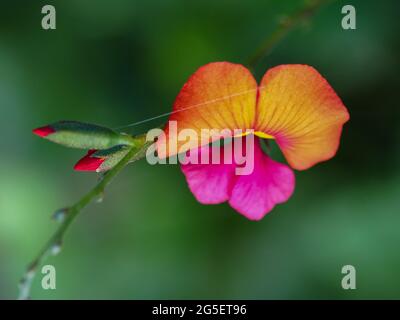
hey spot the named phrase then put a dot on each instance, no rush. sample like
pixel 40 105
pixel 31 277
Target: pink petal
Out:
pixel 209 183
pixel 252 195
pixel 257 194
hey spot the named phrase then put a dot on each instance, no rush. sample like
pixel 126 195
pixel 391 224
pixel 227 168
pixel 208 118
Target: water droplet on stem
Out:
pixel 100 198
pixel 55 248
pixel 60 214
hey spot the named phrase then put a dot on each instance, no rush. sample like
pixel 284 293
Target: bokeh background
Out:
pixel 118 62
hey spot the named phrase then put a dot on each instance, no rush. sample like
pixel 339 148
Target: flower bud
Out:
pixel 102 160
pixel 80 135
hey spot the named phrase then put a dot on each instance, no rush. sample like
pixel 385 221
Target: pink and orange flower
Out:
pixel 293 105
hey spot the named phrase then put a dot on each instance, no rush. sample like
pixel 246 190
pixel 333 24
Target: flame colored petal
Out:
pixel 252 195
pixel 88 163
pixel 43 131
pixel 219 95
pixel 302 112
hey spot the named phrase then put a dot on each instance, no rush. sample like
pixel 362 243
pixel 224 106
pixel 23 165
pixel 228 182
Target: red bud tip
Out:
pixel 43 131
pixel 91 151
pixel 87 163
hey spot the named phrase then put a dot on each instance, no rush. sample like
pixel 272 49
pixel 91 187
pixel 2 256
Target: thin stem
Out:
pixel 54 244
pixel 287 24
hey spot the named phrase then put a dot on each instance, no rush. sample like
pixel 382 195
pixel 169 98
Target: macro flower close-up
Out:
pixel 293 105
pixel 207 156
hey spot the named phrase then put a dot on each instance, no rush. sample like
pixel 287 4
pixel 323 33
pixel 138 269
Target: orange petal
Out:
pixel 302 112
pixel 219 95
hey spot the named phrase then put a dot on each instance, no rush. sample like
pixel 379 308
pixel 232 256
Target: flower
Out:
pixel 293 104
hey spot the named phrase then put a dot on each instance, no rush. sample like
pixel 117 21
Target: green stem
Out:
pixel 54 244
pixel 304 13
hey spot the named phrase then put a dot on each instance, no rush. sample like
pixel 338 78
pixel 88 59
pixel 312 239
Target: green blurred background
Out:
pixel 117 62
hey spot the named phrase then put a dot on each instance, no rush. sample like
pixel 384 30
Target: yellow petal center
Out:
pixel 263 135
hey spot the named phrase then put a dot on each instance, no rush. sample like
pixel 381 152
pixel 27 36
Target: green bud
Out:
pixel 80 135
